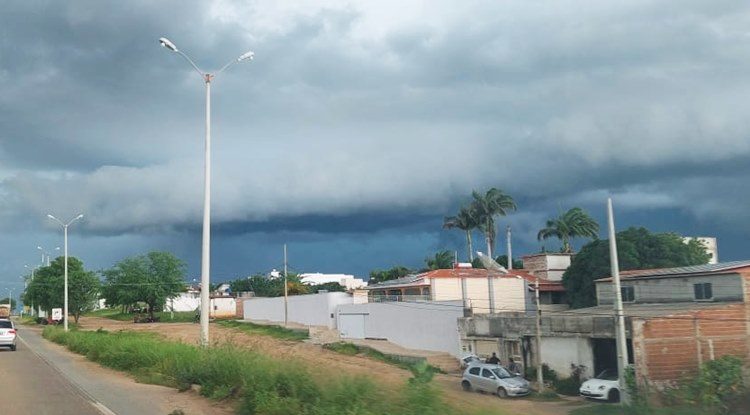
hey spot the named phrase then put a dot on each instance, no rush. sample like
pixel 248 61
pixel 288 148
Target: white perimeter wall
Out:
pixel 559 352
pixel 311 309
pixel 184 302
pixel 417 325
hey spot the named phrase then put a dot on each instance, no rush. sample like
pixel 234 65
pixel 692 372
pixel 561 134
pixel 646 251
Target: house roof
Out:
pixel 706 269
pixel 423 278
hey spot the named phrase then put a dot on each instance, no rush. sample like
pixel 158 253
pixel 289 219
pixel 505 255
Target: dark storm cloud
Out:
pixel 367 117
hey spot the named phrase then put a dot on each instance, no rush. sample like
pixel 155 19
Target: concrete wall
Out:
pixel 511 294
pixel 223 307
pixel 184 302
pixel 312 309
pixel 560 352
pixel 550 266
pixel 423 326
pixel 669 290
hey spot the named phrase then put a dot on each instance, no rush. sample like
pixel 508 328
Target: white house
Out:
pixel 347 281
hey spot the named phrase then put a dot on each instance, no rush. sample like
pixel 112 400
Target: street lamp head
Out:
pixel 167 44
pixel 249 55
pixel 80 215
pixel 39 248
pixel 51 217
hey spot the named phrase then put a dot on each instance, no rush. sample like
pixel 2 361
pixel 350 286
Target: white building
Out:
pixel 347 281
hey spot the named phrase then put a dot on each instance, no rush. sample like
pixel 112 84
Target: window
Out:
pixel 703 291
pixel 474 371
pixel 487 374
pixel 628 294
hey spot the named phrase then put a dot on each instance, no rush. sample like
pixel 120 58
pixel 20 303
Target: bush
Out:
pixel 571 385
pixel 717 385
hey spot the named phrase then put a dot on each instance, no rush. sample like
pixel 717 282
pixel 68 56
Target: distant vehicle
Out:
pixel 485 377
pixel 7 334
pixel 4 311
pixel 605 387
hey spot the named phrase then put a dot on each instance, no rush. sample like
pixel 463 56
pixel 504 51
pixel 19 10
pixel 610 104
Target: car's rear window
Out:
pixel 6 325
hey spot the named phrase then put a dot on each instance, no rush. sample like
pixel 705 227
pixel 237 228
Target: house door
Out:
pixel 352 326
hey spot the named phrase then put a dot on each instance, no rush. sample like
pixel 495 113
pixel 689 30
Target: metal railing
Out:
pixel 397 298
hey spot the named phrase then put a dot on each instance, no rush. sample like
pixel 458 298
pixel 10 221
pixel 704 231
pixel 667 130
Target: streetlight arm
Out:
pixel 190 61
pixel 56 220
pixel 74 219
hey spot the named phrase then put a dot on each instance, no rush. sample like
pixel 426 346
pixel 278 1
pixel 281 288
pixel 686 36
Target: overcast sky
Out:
pixel 359 125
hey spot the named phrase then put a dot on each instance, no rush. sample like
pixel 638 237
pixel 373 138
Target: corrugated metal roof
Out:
pixel 691 270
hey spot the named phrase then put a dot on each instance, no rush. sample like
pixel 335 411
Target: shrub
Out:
pixel 570 385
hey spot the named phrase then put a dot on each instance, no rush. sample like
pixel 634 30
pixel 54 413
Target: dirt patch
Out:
pixel 325 365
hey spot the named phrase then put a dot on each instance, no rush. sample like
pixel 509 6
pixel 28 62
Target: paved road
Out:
pixel 30 385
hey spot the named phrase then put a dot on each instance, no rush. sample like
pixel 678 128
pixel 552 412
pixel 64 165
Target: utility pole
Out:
pixel 286 291
pixel 622 345
pixel 510 251
pixel 539 372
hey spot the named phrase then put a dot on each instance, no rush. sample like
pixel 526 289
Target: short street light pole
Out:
pixel 65 237
pixel 206 246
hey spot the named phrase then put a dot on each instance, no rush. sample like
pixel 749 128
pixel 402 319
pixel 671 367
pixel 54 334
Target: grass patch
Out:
pixel 260 384
pixel 403 362
pixel 164 316
pixel 278 332
pixel 546 396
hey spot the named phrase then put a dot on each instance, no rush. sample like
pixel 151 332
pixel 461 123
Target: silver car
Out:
pixel 485 377
pixel 7 334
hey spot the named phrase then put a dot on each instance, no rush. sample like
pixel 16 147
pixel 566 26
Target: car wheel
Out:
pixel 502 393
pixel 465 385
pixel 613 396
pixel 13 348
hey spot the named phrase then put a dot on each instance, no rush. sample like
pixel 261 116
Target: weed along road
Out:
pixel 43 378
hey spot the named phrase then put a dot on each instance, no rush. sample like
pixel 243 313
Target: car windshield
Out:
pixel 501 373
pixel 607 374
pixel 6 324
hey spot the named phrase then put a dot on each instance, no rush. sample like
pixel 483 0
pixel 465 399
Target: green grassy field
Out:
pixel 258 383
pixel 267 330
pixel 164 316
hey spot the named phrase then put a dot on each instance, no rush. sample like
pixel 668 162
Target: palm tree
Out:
pixel 575 223
pixel 464 221
pixel 486 207
pixel 441 260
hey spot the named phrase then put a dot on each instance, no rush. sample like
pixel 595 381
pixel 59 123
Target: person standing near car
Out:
pixel 514 367
pixel 493 359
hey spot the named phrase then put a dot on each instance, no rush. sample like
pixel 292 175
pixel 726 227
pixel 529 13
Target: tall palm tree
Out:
pixel 486 207
pixel 464 221
pixel 575 223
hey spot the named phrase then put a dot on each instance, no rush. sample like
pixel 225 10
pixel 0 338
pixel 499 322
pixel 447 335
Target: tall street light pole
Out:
pixel 65 237
pixel 25 285
pixel 206 245
pixel 45 253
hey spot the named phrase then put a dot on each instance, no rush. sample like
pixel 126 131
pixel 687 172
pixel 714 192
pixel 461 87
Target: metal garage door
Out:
pixel 352 326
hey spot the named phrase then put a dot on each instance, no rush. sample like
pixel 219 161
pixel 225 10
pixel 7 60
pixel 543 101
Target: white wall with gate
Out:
pixel 415 325
pixel 310 309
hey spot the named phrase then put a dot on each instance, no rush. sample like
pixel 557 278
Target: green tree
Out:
pixel 485 208
pixel 398 271
pixel 263 286
pixel 441 260
pixel 328 286
pixel 152 278
pixel 637 248
pixel 575 223
pixel 47 288
pixel 466 221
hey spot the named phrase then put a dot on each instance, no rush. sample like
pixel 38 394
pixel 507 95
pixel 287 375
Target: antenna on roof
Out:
pixel 490 263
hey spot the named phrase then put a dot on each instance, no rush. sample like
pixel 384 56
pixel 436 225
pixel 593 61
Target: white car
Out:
pixel 604 387
pixel 486 377
pixel 7 334
pixel 469 360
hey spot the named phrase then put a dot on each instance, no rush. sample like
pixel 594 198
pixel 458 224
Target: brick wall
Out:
pixel 670 348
